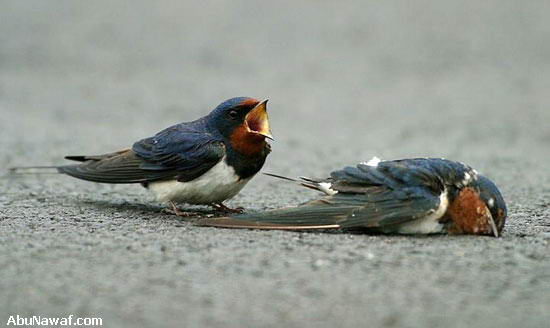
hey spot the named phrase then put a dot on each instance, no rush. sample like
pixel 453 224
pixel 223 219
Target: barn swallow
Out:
pixel 407 196
pixel 204 162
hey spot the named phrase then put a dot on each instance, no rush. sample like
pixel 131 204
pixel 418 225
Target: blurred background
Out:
pixel 384 79
pixel 347 80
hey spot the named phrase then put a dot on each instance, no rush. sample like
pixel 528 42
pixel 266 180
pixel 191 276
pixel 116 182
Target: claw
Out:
pixel 222 208
pixel 176 211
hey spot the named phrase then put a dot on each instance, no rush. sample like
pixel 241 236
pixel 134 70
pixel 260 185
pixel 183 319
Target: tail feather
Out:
pixel 61 169
pixel 77 158
pixel 281 177
pixel 303 181
pixel 18 170
pixel 118 167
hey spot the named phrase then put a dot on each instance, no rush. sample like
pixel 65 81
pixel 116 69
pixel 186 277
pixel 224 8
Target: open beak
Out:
pixel 257 120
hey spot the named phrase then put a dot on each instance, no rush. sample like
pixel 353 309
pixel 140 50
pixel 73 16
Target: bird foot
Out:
pixel 176 211
pixel 180 213
pixel 222 208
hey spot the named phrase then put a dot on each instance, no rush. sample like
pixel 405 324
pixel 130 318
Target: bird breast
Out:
pixel 216 185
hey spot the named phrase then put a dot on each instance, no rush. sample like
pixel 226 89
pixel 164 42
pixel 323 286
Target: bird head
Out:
pixel 490 195
pixel 478 208
pixel 244 122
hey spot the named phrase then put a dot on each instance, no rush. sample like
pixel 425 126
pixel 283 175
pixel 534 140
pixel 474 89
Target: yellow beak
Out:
pixel 257 120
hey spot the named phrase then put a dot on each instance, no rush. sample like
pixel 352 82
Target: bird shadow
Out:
pixel 196 212
pixel 201 212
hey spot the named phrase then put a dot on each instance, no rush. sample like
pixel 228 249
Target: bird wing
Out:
pixel 174 153
pixel 420 172
pixel 188 152
pixel 429 173
pixel 378 209
pixel 372 197
pixel 395 175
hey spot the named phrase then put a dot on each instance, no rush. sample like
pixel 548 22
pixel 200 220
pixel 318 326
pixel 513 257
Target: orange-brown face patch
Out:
pixel 245 142
pixel 249 102
pixel 469 214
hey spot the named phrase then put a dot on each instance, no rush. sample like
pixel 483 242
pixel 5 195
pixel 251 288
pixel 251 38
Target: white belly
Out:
pixel 429 223
pixel 215 186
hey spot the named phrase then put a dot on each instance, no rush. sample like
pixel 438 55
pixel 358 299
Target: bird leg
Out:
pixel 176 211
pixel 222 208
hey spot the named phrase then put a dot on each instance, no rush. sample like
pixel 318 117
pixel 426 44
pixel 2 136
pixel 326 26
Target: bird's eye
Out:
pixel 233 114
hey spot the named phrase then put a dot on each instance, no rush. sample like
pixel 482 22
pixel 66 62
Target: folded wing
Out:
pixel 175 153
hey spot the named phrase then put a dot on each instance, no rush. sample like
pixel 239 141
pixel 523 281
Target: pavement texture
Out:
pixel 347 80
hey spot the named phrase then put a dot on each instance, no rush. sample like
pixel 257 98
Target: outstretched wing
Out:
pixel 378 209
pixel 176 153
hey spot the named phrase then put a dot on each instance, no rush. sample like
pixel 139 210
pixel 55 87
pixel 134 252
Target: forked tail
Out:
pixel 19 170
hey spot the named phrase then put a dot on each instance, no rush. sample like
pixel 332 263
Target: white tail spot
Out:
pixel 325 187
pixel 373 161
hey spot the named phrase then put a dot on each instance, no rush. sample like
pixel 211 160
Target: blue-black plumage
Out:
pixel 409 196
pixel 206 161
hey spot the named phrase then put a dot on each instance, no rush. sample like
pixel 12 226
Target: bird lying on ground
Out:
pixel 407 196
pixel 204 162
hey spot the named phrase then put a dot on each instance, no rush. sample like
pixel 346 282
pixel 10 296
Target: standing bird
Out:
pixel 408 196
pixel 204 162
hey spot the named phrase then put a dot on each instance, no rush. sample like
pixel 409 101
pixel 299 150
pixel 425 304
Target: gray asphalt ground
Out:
pixel 347 80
